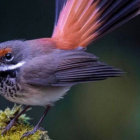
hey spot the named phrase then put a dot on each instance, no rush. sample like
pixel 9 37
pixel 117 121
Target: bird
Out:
pixel 41 71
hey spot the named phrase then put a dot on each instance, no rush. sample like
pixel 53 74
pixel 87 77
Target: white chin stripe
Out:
pixel 12 67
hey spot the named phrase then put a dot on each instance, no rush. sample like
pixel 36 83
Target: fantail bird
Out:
pixel 39 72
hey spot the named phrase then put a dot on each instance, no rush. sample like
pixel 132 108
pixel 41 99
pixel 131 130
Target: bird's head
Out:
pixel 11 56
pixel 15 54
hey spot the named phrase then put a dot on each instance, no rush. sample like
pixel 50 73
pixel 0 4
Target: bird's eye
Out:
pixel 9 57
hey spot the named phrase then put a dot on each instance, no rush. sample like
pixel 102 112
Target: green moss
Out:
pixel 20 127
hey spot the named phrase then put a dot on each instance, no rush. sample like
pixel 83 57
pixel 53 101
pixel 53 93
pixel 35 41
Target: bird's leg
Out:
pixel 13 121
pixel 38 124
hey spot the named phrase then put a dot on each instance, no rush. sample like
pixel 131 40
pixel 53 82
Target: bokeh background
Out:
pixel 104 110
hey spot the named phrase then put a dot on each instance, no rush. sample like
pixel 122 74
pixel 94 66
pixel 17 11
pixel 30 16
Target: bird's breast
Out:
pixel 40 96
pixel 8 84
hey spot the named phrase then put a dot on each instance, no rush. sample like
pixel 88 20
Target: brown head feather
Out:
pixel 4 51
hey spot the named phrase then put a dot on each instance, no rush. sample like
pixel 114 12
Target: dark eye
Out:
pixel 9 57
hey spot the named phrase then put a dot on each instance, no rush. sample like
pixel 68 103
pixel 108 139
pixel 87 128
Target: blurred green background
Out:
pixel 104 110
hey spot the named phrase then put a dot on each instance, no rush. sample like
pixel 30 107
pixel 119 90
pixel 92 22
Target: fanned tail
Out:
pixel 79 22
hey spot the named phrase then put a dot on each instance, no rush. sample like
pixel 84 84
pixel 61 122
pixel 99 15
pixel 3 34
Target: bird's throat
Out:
pixel 9 73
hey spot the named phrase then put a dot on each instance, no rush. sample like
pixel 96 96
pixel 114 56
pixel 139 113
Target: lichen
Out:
pixel 22 126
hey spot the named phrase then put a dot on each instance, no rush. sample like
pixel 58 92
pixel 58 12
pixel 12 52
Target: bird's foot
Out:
pixel 9 126
pixel 38 124
pixel 27 134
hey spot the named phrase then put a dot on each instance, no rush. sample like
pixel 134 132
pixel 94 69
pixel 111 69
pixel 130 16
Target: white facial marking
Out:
pixel 12 67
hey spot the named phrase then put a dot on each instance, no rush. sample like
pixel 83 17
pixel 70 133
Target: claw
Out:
pixel 27 134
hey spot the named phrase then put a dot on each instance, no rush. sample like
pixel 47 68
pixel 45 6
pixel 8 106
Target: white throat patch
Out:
pixel 12 67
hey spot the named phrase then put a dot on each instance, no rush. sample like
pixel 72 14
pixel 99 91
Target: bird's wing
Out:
pixel 79 22
pixel 65 68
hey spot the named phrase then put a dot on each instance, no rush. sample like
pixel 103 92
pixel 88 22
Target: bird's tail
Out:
pixel 79 22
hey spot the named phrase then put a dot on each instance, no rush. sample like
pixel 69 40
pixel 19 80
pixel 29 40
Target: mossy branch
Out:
pixel 22 125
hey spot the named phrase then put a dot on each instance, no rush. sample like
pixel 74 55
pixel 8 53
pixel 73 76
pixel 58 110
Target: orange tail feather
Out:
pixel 82 21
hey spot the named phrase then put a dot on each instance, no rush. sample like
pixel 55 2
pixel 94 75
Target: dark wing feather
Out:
pixel 79 71
pixel 65 68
